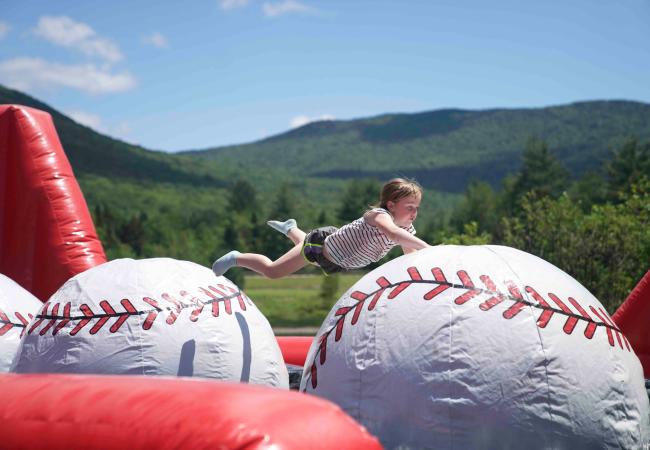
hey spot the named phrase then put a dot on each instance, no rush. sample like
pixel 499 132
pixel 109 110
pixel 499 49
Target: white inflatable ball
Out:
pixel 17 307
pixel 152 317
pixel 479 347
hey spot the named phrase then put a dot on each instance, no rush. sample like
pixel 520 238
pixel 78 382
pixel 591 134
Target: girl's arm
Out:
pixel 385 223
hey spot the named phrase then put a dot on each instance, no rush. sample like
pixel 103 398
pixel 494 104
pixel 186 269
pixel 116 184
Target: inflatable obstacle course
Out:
pixel 449 347
pixel 130 317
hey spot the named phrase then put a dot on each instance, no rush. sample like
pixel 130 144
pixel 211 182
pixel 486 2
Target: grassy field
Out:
pixel 296 304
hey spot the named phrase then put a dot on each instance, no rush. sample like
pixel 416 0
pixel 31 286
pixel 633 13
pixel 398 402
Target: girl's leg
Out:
pixel 296 235
pixel 285 265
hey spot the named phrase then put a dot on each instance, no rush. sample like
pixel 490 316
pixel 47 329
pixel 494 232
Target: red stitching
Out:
pixel 64 322
pixel 440 277
pixel 173 314
pixel 545 317
pixel 56 321
pixel 7 324
pixel 591 327
pixel 495 297
pixel 467 283
pixel 494 300
pixel 518 305
pixel 50 324
pixel 38 322
pixel 199 306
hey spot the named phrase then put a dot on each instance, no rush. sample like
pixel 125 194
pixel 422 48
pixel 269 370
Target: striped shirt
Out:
pixel 358 244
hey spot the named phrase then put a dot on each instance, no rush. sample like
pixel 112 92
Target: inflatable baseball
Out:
pixel 152 317
pixel 479 347
pixel 17 307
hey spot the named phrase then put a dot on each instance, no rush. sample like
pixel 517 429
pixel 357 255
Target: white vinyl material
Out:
pixel 17 307
pixel 153 317
pixel 479 347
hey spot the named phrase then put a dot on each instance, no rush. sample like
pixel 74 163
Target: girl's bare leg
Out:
pixel 296 235
pixel 285 265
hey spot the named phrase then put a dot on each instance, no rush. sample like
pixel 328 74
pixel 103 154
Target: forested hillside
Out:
pixel 446 149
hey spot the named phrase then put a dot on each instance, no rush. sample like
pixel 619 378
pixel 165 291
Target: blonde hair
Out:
pixel 397 189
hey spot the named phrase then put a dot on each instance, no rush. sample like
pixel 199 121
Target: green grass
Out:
pixel 295 301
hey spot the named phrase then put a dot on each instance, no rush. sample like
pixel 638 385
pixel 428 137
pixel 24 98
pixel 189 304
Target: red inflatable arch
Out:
pixel 46 232
pixel 131 412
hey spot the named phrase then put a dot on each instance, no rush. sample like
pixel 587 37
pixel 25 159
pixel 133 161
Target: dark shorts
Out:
pixel 312 249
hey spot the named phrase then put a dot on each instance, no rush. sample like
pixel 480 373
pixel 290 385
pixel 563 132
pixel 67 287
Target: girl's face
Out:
pixel 405 210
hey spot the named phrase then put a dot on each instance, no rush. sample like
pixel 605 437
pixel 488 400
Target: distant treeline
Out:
pixel 596 228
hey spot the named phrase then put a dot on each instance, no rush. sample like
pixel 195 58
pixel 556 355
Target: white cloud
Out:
pixel 64 31
pixel 299 121
pixel 85 118
pixel 232 4
pixel 4 29
pixel 285 7
pixel 156 39
pixel 27 73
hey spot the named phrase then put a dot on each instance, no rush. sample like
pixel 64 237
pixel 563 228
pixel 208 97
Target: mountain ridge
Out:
pixel 446 144
pixel 93 153
pixel 444 149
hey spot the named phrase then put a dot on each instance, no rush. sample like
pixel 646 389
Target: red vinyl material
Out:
pixel 46 232
pixel 632 318
pixel 132 412
pixel 295 348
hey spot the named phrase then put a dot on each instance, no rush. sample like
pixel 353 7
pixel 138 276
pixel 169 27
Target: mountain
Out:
pixel 92 153
pixel 445 149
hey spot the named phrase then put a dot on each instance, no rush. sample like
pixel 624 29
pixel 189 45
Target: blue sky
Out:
pixel 196 74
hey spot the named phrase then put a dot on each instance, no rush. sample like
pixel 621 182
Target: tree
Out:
pixel 231 241
pixel 105 224
pixel 255 230
pixel 242 196
pixel 541 173
pixel 607 249
pixel 322 219
pixel 275 244
pixel 284 204
pixel 627 167
pixel 470 235
pixel 358 196
pixel 132 232
pixel 231 236
pixel 589 190
pixel 479 205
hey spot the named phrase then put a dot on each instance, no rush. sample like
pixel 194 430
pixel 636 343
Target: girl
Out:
pixel 353 246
